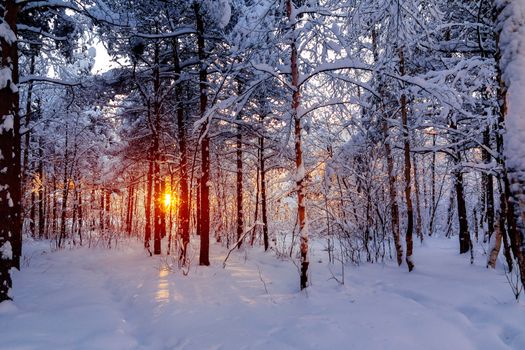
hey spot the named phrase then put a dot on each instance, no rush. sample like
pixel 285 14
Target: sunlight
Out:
pixel 163 292
pixel 167 200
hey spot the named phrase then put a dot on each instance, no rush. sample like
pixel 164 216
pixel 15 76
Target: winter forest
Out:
pixel 262 174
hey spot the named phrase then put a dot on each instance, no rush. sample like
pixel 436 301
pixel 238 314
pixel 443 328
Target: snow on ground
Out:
pixel 122 299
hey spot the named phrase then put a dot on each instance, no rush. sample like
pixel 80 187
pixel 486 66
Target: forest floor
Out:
pixel 121 299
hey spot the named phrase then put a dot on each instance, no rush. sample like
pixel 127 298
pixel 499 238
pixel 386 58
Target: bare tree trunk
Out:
pixel 205 144
pixel 10 187
pixel 158 211
pixel 129 209
pixel 80 213
pixel 147 207
pixel 488 186
pixel 74 212
pixel 240 219
pixel 496 246
pixel 41 187
pixel 419 221
pixel 65 192
pixel 107 211
pixel 408 181
pixel 198 207
pixel 394 209
pixel 101 212
pixel 513 182
pixel 184 198
pixel 263 195
pixel 26 183
pixel 464 235
pixel 299 165
pixel 157 208
pixel 433 203
pixel 257 192
pixel 164 209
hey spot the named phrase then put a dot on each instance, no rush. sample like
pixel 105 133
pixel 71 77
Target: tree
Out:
pixel 511 59
pixel 10 191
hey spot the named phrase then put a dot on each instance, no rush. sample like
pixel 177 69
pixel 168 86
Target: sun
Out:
pixel 167 200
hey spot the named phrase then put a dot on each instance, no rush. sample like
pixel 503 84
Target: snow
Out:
pixel 6 251
pixel 300 173
pixel 512 43
pixel 92 52
pixel 122 299
pixel 7 33
pixel 8 124
pixel 220 11
pixel 226 12
pixel 6 77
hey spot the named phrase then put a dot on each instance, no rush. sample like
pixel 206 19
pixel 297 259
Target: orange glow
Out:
pixel 167 200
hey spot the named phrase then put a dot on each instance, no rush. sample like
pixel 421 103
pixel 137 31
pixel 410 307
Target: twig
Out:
pixel 264 284
pixel 240 240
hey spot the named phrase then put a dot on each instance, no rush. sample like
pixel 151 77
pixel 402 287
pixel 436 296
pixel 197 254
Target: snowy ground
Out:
pixel 121 299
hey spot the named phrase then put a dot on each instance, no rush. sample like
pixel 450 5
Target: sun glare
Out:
pixel 167 200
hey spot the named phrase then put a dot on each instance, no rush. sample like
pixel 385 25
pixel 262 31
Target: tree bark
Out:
pixel 240 224
pixel 65 192
pixel 41 187
pixel 394 209
pixel 263 194
pixel 513 174
pixel 496 246
pixel 464 235
pixel 184 199
pixel 158 210
pixel 299 165
pixel 80 213
pixel 419 221
pixel 204 258
pixel 147 207
pixel 408 170
pixel 10 187
pixel 27 144
pixel 488 186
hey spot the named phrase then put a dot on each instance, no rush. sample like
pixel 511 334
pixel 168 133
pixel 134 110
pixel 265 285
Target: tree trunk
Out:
pixel 299 165
pixel 101 212
pixel 65 193
pixel 433 203
pixel 80 213
pixel 257 192
pixel 75 212
pixel 205 144
pixel 164 208
pixel 408 170
pixel 496 246
pixel 107 211
pixel 394 209
pixel 41 187
pixel 240 225
pixel 147 207
pixel 511 115
pixel 419 221
pixel 129 209
pixel 488 186
pixel 10 187
pixel 157 208
pixel 184 199
pixel 263 195
pixel 464 235
pixel 27 144
pixel 157 181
